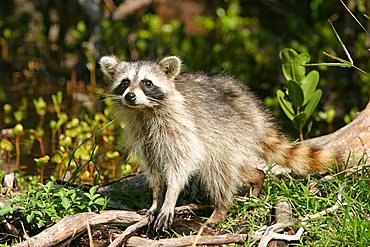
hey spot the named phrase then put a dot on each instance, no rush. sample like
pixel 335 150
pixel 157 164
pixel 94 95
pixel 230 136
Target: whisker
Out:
pixel 157 101
pixel 112 96
pixel 109 98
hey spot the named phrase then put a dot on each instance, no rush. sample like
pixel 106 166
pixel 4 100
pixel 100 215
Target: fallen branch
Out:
pixel 129 232
pixel 266 234
pixel 188 240
pixel 75 224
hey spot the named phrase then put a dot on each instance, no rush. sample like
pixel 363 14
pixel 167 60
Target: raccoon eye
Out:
pixel 147 83
pixel 120 89
pixel 125 82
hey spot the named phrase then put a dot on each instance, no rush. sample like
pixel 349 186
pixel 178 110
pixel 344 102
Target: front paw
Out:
pixel 151 213
pixel 164 219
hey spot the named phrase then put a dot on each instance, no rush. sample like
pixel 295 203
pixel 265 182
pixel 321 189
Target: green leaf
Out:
pixel 100 201
pixel 312 103
pixel 295 94
pixel 285 105
pixel 66 203
pixel 6 210
pixel 292 64
pixel 93 197
pixel 309 84
pixel 93 190
pixel 40 204
pixel 87 195
pixel 38 213
pixel 40 223
pixel 30 216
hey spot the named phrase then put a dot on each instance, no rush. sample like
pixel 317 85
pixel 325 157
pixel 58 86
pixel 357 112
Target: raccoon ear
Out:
pixel 171 66
pixel 108 65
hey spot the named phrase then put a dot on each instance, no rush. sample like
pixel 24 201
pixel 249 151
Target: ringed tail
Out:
pixel 300 158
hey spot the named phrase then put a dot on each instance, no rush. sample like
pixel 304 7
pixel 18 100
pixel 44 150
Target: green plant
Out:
pixel 40 106
pixel 57 102
pixel 6 146
pixel 27 183
pixel 41 163
pixel 95 202
pixel 301 96
pixel 328 116
pixel 52 202
pixel 18 131
pixel 7 116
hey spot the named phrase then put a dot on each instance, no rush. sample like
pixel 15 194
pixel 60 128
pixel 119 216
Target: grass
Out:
pixel 347 226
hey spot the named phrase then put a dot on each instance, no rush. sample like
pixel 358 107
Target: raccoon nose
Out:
pixel 130 97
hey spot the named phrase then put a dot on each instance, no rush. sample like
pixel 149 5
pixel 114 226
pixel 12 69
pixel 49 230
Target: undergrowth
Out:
pixel 347 226
pixel 41 207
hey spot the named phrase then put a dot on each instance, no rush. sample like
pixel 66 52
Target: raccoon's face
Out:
pixel 140 84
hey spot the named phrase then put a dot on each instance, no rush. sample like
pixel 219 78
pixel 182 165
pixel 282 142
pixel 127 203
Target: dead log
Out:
pixel 354 138
pixel 71 226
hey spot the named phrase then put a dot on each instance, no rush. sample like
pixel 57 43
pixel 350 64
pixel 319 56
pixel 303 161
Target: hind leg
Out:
pixel 219 215
pixel 252 178
pixel 256 178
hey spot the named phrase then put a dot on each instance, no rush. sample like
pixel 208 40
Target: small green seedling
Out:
pixel 40 106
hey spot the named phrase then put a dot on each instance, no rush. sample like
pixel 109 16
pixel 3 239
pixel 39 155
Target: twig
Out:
pixel 25 235
pixel 128 232
pixel 91 241
pixel 197 237
pixel 133 228
pixel 349 171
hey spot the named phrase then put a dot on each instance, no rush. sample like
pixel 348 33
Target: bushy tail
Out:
pixel 301 158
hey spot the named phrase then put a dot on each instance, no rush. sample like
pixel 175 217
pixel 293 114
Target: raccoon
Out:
pixel 186 124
